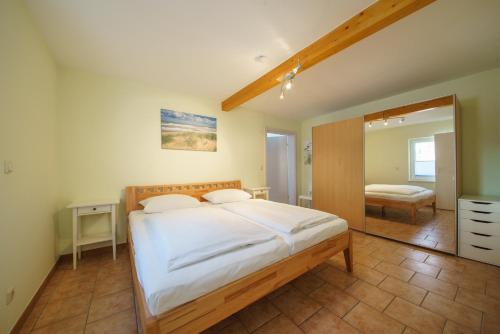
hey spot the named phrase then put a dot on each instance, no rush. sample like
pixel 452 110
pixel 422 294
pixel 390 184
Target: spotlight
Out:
pixel 282 96
pixel 288 85
pixel 370 124
pixel 386 121
pixel 401 120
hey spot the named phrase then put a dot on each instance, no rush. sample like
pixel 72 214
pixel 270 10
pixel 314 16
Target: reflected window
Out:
pixel 422 159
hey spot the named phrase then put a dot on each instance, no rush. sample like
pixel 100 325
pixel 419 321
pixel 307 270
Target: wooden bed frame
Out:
pixel 207 310
pixel 411 206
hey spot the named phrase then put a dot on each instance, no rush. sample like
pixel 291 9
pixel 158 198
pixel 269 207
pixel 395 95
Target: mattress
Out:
pixel 403 198
pixel 165 290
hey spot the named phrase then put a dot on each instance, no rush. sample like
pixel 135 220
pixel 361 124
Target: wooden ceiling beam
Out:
pixel 409 108
pixel 372 19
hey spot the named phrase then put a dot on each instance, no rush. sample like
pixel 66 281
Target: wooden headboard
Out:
pixel 135 194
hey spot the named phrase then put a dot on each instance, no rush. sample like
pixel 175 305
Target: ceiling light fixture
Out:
pixel 401 120
pixel 287 80
pixel 386 121
pixel 370 124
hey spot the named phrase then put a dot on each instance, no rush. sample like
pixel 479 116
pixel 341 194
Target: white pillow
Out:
pixel 168 202
pixel 226 196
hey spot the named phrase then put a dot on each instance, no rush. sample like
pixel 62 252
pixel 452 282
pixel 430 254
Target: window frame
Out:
pixel 411 160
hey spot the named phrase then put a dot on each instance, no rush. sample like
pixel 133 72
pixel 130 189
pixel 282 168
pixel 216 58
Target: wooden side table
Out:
pixel 92 208
pixel 259 192
pixel 303 199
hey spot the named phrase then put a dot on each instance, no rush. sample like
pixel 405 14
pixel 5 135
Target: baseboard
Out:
pixel 24 316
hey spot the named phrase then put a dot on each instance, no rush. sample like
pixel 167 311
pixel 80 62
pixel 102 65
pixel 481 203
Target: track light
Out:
pixel 282 95
pixel 370 124
pixel 287 79
pixel 401 120
pixel 288 85
pixel 386 121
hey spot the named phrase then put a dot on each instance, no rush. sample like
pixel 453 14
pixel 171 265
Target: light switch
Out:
pixel 8 167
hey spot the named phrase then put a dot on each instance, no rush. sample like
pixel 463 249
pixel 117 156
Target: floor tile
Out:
pixel 432 284
pixel 32 319
pixel 412 254
pixel 469 281
pixel 233 328
pixel 113 284
pixel 64 308
pixel 257 314
pixel 334 299
pixel 217 328
pixel 420 267
pixel 123 322
pixel 403 289
pixel 279 325
pixel 445 262
pixel 366 260
pixel 296 305
pixel 107 305
pixel 478 301
pixel 395 271
pixel 369 320
pixel 370 295
pixel 325 322
pixel 307 283
pixel 454 328
pixel 456 312
pixel 493 288
pixel 388 256
pixel 367 274
pixel 415 317
pixel 491 324
pixel 74 325
pixel 336 277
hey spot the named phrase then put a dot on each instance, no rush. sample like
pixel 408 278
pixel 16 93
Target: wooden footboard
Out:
pixel 411 206
pixel 207 310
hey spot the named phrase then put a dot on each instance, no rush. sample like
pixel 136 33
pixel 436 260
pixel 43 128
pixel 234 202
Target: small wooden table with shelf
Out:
pixel 92 208
pixel 305 201
pixel 259 192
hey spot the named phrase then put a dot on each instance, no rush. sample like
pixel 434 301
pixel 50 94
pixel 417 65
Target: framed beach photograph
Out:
pixel 185 131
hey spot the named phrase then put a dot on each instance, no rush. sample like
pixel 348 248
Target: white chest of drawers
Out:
pixel 479 228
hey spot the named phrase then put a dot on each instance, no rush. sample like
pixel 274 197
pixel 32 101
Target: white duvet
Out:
pixel 187 236
pixel 397 189
pixel 278 216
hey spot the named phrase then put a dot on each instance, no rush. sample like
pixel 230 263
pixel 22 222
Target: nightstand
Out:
pixel 259 192
pixel 92 208
pixel 305 199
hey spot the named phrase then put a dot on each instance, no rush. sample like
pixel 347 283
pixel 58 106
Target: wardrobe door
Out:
pixel 338 164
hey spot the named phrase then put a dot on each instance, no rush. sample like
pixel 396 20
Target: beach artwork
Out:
pixel 185 131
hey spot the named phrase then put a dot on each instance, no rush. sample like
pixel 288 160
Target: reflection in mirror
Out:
pixel 410 178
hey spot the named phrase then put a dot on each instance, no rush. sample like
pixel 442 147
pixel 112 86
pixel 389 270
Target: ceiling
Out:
pixel 417 117
pixel 208 48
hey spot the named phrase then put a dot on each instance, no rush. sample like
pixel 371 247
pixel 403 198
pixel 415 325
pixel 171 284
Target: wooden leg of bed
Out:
pixel 383 211
pixel 414 214
pixel 348 255
pixel 434 207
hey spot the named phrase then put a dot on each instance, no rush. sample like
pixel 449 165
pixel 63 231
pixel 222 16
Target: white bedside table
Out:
pixel 259 192
pixel 92 208
pixel 303 199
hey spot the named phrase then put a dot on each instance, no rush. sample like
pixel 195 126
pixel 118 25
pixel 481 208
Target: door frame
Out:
pixel 285 133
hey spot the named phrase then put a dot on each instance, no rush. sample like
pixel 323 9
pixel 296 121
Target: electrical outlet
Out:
pixel 9 296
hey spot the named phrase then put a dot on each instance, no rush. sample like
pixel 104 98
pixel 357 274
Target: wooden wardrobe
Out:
pixel 338 170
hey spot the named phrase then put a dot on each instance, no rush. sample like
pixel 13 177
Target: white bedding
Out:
pixel 397 189
pixel 325 226
pixel 404 198
pixel 165 290
pixel 278 216
pixel 190 235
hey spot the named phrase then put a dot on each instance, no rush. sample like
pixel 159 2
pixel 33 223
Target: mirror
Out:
pixel 410 173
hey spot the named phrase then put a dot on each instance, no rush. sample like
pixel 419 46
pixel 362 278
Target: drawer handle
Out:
pixel 484 203
pixel 481 221
pixel 484 212
pixel 481 234
pixel 485 248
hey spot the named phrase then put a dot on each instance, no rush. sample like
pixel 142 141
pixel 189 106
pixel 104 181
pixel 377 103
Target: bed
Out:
pixel 405 197
pixel 231 281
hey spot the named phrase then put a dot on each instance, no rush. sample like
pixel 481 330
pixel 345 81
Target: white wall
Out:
pixel 28 195
pixel 109 137
pixel 480 101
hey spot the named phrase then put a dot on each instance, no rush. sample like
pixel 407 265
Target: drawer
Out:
pixel 478 254
pixel 480 239
pixel 479 205
pixel 491 217
pixel 88 210
pixel 467 224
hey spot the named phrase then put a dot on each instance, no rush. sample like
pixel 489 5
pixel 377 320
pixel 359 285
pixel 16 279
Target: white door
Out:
pixel 445 170
pixel 277 168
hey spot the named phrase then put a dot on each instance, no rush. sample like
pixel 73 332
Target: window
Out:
pixel 422 159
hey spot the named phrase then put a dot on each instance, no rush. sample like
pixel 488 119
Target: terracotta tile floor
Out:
pixel 436 232
pixel 394 288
